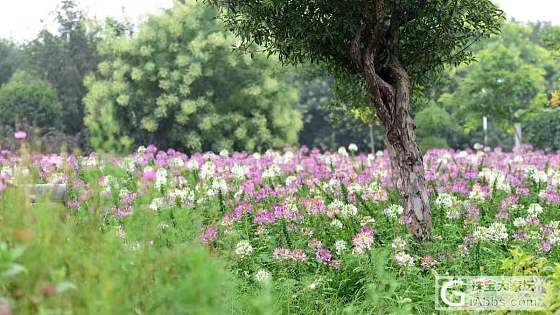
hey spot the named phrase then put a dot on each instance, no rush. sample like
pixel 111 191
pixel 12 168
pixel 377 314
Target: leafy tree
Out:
pixel 433 124
pixel 509 84
pixel 26 99
pixel 543 129
pixel 386 46
pixel 178 83
pixel 10 56
pixel 64 59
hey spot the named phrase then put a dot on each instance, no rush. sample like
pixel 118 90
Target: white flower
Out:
pixel 452 214
pixel 348 210
pixel 534 210
pixel 519 222
pixel 239 171
pixel 263 276
pixel 192 165
pixel 495 232
pixel 337 223
pixel 220 184
pixel 399 244
pixel 393 211
pixel 535 175
pixel 495 178
pixel 477 193
pixel 352 147
pixel 290 180
pixel 224 153
pixel 120 232
pixel 445 200
pixel 243 248
pixel 342 151
pixel 207 170
pixel 182 196
pixel 178 162
pixel 404 260
pixel 340 246
pixel 367 220
pixel 355 188
pixel 271 171
pixel 161 178
pixel 157 204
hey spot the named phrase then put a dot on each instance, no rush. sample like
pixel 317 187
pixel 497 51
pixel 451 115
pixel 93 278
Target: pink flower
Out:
pixel 2 187
pixel 363 240
pixel 20 135
pixel 209 235
pixel 149 175
pixel 323 255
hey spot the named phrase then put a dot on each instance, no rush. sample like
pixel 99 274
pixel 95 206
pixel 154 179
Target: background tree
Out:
pixel 386 46
pixel 10 57
pixel 64 59
pixel 508 84
pixel 434 126
pixel 179 83
pixel 543 129
pixel 28 100
pixel 326 123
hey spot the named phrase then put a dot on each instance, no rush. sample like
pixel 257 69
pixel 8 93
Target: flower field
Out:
pixel 299 231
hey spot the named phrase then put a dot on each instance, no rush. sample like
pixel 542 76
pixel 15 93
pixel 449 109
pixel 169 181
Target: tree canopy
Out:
pixel 422 35
pixel 64 58
pixel 179 83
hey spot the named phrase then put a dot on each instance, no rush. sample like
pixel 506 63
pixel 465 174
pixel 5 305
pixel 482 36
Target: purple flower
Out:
pixel 546 246
pixel 209 235
pixel 323 255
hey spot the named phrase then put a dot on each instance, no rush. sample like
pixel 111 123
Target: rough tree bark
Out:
pixel 390 96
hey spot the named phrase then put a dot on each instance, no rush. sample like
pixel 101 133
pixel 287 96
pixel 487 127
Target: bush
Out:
pixel 28 99
pixel 543 130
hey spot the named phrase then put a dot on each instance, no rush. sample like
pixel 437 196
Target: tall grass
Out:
pixel 69 264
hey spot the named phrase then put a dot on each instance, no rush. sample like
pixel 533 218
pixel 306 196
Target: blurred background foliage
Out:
pixel 181 80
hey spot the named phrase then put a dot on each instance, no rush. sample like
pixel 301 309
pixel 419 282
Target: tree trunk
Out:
pixel 517 135
pixel 391 99
pixel 409 168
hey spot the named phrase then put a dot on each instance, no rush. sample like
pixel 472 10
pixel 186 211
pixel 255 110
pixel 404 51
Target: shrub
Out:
pixel 543 130
pixel 28 99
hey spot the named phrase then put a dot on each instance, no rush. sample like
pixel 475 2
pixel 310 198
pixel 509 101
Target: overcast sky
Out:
pixel 22 19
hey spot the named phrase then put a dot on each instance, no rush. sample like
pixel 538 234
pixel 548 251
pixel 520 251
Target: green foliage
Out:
pixel 178 83
pixel 432 125
pixel 27 99
pixel 521 263
pixel 327 122
pixel 63 59
pixel 553 291
pixel 324 30
pixel 543 130
pixel 10 56
pixel 501 86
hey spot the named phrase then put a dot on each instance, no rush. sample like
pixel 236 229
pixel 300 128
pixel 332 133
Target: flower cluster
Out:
pixel 302 208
